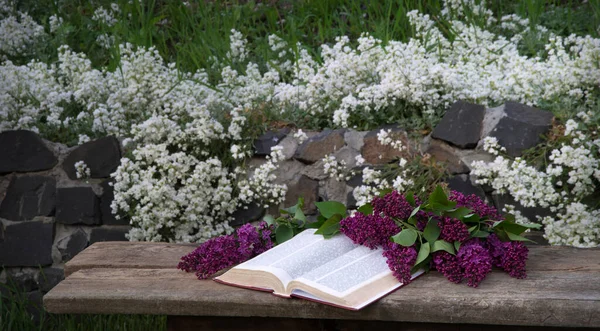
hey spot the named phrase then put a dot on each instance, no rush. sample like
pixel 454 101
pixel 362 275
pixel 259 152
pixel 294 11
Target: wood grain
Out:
pixel 123 254
pixel 562 289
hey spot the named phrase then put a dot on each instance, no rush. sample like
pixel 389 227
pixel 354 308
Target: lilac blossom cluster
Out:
pixel 473 260
pixel 225 251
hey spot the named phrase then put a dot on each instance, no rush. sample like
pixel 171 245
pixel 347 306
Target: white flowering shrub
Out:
pixel 188 133
pixel 19 32
pixel 568 185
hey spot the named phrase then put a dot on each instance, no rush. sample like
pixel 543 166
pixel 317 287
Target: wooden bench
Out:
pixel 562 290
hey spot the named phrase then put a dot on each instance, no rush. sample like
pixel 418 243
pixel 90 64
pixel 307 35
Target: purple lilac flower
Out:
pixel 225 251
pixel 511 256
pixel 212 256
pixel 400 260
pixel 248 238
pixel 266 243
pixel 448 265
pixel 453 230
pixel 392 204
pixel 369 230
pixel 474 203
pixel 475 260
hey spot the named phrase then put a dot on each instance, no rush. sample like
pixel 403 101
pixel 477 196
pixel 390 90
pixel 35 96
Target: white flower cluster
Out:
pixel 385 139
pixel 491 145
pixel 261 186
pixel 18 33
pixel 572 175
pixel 82 171
pixel 237 48
pixel 55 23
pixel 336 169
pixel 107 16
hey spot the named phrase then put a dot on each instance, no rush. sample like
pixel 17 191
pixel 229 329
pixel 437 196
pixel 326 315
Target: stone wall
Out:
pixel 48 215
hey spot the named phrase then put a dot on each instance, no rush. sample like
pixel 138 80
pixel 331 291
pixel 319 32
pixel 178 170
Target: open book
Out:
pixel 333 271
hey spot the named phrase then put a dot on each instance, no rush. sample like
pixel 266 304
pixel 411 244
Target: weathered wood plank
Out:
pixel 145 255
pixel 123 254
pixel 559 296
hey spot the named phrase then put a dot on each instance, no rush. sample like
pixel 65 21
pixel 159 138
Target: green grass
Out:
pixel 16 315
pixel 192 35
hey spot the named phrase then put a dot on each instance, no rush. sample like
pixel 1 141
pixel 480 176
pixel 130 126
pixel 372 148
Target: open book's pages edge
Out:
pixel 354 298
pixel 253 279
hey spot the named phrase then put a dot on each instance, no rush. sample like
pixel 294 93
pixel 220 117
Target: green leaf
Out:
pixel 471 218
pixel 331 226
pixel 441 208
pixel 292 210
pixel 385 192
pixel 269 219
pixel 299 215
pixel 410 197
pixel 473 229
pixel 423 253
pixel 442 245
pixel 366 209
pixel 330 208
pixel 438 196
pixel 458 212
pixel 432 230
pixel 480 234
pixel 457 245
pixel 283 233
pixel 406 237
pixel 315 225
pixel 414 211
pixel 516 237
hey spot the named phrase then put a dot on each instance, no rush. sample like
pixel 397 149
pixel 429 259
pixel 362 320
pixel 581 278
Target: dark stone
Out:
pixel 501 200
pixel 462 184
pixel 28 197
pixel 102 156
pixel 324 143
pixel 461 125
pixel 242 216
pixel 72 245
pixel 50 277
pixel 24 151
pixel 307 189
pixel 106 199
pixel 112 233
pixel 444 153
pixel 22 280
pixel 521 128
pixel 77 205
pixel 351 200
pixel 34 305
pixel 264 143
pixel 375 153
pixel 357 179
pixel 27 244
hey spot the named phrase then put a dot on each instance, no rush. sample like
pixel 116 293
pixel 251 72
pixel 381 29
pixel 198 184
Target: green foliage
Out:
pixel 293 221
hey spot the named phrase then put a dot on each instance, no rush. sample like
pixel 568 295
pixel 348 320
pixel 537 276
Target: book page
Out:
pixel 350 270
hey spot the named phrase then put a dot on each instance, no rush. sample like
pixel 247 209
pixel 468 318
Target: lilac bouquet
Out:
pixel 226 251
pixel 459 236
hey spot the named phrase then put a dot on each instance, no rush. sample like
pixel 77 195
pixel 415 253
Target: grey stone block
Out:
pixel 28 197
pixel 24 151
pixel 27 244
pixel 77 205
pixel 461 125
pixel 102 156
pixel 112 233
